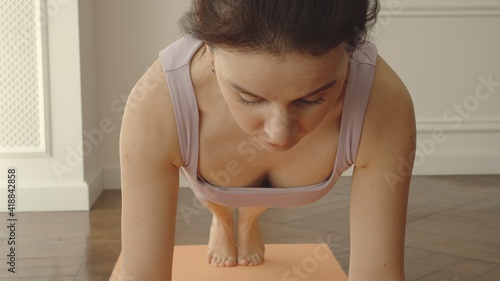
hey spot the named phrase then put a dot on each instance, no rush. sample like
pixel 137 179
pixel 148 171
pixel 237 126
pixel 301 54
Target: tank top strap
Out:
pixel 361 75
pixel 175 60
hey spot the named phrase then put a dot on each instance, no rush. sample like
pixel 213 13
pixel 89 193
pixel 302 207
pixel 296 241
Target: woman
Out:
pixel 265 104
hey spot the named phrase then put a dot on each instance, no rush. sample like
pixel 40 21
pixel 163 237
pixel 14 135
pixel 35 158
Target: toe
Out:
pixel 215 261
pixel 222 261
pixel 253 259
pixel 230 262
pixel 258 259
pixel 243 261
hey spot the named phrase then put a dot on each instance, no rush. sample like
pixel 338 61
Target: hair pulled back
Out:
pixel 311 27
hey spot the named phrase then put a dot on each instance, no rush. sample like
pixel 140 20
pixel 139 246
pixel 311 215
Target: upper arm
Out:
pixel 381 179
pixel 149 160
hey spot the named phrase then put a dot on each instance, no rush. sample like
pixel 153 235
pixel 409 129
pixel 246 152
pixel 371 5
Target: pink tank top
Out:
pixel 176 59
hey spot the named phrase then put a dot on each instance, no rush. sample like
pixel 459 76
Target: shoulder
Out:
pixel 389 123
pixel 149 124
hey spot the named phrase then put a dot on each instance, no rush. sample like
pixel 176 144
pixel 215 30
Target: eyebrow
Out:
pixel 319 90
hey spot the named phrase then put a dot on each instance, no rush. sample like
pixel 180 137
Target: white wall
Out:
pixel 96 50
pixel 443 50
pixel 93 129
pixel 439 48
pixel 129 35
pixel 55 180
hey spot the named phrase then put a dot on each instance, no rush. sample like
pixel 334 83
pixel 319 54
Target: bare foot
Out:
pixel 250 243
pixel 221 246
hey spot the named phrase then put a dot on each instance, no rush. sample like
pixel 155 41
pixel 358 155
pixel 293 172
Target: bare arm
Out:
pixel 380 184
pixel 149 160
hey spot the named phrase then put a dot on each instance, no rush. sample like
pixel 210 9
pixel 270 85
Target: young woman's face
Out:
pixel 279 100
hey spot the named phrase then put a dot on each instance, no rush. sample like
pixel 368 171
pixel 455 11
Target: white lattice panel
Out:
pixel 21 81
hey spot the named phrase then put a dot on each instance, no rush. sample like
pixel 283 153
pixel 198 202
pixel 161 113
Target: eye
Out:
pixel 249 100
pixel 303 102
pixel 317 99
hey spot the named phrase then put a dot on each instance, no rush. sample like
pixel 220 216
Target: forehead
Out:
pixel 268 73
pixel 288 63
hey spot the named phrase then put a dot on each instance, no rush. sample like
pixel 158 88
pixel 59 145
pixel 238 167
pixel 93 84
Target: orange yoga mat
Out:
pixel 284 262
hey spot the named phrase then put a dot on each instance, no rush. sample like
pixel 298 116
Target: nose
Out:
pixel 281 127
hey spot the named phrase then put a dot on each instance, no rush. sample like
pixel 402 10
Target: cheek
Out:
pixel 249 120
pixel 310 122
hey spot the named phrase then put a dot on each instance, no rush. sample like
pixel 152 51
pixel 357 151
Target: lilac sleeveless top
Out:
pixel 176 59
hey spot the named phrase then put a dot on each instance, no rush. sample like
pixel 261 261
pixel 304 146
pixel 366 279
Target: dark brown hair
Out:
pixel 311 27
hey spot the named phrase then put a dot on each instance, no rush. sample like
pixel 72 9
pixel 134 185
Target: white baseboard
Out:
pixel 49 196
pixel 468 148
pixel 52 196
pixel 462 163
pixel 457 163
pixel 95 184
pixel 80 195
pixel 450 157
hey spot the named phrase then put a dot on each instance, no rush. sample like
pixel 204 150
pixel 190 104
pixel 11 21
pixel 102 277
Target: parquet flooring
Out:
pixel 453 232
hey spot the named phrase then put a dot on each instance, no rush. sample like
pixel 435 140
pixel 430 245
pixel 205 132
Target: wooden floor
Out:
pixel 453 232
